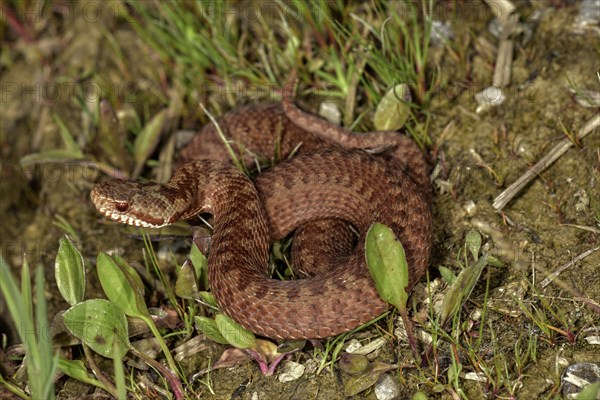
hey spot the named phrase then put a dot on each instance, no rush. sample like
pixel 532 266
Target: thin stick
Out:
pixel 503 198
pixel 580 257
pixel 503 64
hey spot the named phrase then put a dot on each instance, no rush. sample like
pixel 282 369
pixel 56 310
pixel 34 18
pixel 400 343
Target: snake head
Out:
pixel 134 203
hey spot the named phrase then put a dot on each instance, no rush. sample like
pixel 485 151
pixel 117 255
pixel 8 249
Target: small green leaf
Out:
pixel 69 271
pixel 290 346
pixel 419 396
pixel 353 364
pixel 117 285
pixel 393 109
pixel 439 388
pixel 208 326
pixel 185 285
pixel 100 324
pixel 494 262
pixel 209 299
pixel 147 139
pixel 387 263
pixel 460 291
pixel 76 369
pixel 447 274
pixel 356 384
pixel 234 333
pixel 473 243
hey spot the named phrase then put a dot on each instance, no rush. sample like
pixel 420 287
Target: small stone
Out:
pixel 353 346
pixel 583 200
pixel 505 299
pixel 489 97
pixel 331 112
pixel 594 339
pixel 475 376
pixel 369 347
pixel 578 376
pixel 386 388
pixel 441 32
pixel 587 98
pixel 400 332
pixel 470 207
pixel 291 371
pixel 562 362
pixel 311 366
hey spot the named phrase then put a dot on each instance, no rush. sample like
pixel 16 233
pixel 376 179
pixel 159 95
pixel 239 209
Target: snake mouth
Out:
pixel 128 219
pixel 115 211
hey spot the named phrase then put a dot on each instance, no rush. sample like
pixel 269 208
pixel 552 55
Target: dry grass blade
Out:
pixel 580 257
pixel 503 198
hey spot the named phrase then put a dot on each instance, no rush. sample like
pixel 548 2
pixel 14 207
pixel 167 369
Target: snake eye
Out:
pixel 122 206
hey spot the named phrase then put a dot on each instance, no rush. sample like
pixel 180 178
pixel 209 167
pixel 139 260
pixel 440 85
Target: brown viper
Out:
pixel 331 184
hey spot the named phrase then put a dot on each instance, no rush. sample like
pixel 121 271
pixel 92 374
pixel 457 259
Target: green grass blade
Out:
pixel 47 363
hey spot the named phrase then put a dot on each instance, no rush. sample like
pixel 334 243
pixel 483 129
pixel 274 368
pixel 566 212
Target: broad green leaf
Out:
pixel 117 286
pixel 591 391
pixel 387 263
pixel 473 243
pixel 134 278
pixel 234 333
pixel 147 139
pixel 460 291
pixel 100 324
pixel 208 326
pixel 185 285
pixel 69 271
pixel 393 109
pixel 76 369
pixel 200 263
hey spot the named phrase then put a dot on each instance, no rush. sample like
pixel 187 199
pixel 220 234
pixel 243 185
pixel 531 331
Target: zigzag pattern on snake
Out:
pixel 333 184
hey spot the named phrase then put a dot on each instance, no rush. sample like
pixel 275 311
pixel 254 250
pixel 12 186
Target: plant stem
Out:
pixel 409 332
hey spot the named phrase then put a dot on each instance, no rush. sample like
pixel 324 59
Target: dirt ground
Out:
pixel 554 219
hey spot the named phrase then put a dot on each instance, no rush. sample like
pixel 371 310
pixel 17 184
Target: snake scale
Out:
pixel 329 182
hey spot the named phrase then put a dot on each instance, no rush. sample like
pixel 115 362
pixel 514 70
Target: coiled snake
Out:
pixel 329 179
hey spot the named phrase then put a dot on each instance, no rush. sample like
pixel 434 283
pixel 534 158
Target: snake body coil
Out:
pixel 331 183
